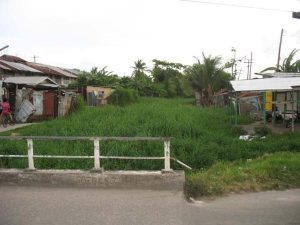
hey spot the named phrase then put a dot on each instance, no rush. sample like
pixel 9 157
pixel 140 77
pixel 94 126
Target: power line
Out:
pixel 236 5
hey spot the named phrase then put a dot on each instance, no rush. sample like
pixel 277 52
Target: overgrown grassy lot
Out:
pixel 276 171
pixel 200 137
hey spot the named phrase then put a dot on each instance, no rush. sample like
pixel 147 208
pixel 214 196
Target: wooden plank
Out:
pixel 63 156
pixel 96 154
pixel 79 157
pixel 13 156
pixel 167 153
pixel 130 157
pixel 68 138
pixel 279 102
pixel 181 163
pixel 30 154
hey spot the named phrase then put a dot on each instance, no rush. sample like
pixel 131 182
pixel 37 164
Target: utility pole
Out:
pixel 279 51
pixel 249 67
pixel 4 47
pixel 233 72
pixel 251 62
pixel 248 63
pixel 34 58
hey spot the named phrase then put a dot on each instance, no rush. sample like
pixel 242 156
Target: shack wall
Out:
pixel 97 96
pixel 50 104
pixel 38 100
pixel 281 97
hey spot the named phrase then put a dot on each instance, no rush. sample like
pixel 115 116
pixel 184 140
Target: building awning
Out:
pixel 296 87
pixel 267 84
pixel 32 81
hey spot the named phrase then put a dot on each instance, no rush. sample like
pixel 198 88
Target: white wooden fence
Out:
pixel 97 156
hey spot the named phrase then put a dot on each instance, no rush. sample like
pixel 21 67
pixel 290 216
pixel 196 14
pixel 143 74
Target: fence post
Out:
pixel 167 153
pixel 97 167
pixel 30 154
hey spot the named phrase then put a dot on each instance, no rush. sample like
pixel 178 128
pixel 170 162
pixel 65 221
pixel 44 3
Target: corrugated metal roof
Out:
pixel 19 66
pixel 32 81
pixel 4 67
pixel 12 58
pixel 267 84
pixel 65 73
pixel 73 71
pixel 51 69
pixel 279 74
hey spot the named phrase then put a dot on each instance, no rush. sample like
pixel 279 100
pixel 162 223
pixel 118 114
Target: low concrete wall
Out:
pixel 110 179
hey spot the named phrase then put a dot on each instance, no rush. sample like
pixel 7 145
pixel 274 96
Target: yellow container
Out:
pixel 269 100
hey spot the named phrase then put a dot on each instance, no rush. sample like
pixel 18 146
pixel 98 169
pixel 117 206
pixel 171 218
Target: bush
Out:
pixel 122 97
pixel 239 130
pixel 271 171
pixel 78 104
pixel 262 131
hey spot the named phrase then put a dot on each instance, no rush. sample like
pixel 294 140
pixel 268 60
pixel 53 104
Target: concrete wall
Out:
pixel 114 179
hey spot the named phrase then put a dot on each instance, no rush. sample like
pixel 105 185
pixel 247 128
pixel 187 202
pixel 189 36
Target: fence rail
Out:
pixel 74 138
pixel 97 156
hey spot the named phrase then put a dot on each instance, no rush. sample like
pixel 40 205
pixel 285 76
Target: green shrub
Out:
pixel 239 130
pixel 79 104
pixel 262 131
pixel 123 96
pixel 271 171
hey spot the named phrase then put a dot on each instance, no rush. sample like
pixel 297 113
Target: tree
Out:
pixel 139 68
pixel 287 65
pixel 101 77
pixel 140 81
pixel 170 76
pixel 207 78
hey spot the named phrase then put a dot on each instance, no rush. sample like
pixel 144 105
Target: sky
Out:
pixel 115 33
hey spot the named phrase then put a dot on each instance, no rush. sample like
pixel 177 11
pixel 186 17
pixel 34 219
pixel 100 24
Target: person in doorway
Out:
pixel 5 111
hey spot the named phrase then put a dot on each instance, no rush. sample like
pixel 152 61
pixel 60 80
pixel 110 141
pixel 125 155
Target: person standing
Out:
pixel 5 111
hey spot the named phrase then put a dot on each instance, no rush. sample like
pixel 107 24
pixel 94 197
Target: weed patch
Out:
pixel 275 171
pixel 200 136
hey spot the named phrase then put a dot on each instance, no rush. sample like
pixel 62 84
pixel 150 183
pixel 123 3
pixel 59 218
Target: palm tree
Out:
pixel 208 77
pixel 287 65
pixel 139 68
pixel 104 72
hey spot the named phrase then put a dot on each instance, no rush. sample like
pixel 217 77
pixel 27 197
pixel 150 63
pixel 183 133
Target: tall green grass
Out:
pixel 200 136
pixel 272 171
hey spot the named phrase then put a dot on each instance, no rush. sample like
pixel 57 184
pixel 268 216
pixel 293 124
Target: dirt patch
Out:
pixel 13 127
pixel 277 128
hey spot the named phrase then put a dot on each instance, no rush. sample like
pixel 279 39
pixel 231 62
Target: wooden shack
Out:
pixel 278 95
pixel 95 95
pixel 40 92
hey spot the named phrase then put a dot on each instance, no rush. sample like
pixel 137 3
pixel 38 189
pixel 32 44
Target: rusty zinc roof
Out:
pixel 12 58
pixel 4 67
pixel 18 66
pixel 53 70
